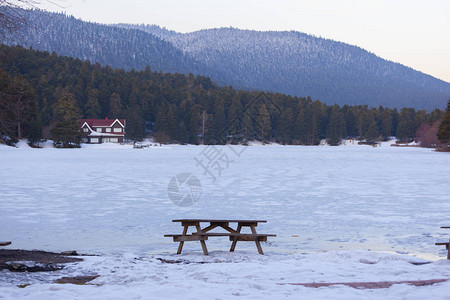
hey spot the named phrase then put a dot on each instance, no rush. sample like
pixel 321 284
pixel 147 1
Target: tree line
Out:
pixel 39 91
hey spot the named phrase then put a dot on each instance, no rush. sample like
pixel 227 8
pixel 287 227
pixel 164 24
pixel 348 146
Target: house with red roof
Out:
pixel 99 131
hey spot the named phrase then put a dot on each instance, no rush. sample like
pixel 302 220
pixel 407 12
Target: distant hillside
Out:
pixel 286 62
pixel 299 64
pixel 107 45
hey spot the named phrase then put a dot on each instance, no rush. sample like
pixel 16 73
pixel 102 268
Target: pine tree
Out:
pixel 115 106
pixel 46 112
pixel 300 127
pixel 92 110
pixel 444 128
pixel 435 115
pixel 67 132
pixel 247 128
pixel 22 103
pixel 161 124
pixel 35 134
pixel 285 126
pixel 234 119
pixel 335 126
pixel 386 123
pixel 135 124
pixel 371 132
pixel 264 123
pixel 172 126
pixel 194 124
pixel 316 122
pixel 406 130
pixel 7 119
pixel 204 127
pixel 219 121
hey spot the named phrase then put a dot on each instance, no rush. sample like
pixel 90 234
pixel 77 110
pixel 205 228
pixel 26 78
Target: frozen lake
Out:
pixel 114 199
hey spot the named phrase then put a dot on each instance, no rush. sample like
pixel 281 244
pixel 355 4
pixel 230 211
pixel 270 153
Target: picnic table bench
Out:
pixel 446 244
pixel 235 235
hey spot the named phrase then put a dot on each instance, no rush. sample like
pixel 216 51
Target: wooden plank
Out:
pixel 230 230
pixel 258 244
pixel 226 234
pixel 202 242
pixel 213 234
pixel 210 227
pixel 180 246
pixel 172 235
pixel 188 238
pixel 189 223
pixel 442 244
pixel 248 224
pixel 6 243
pixel 248 238
pixel 219 221
pixel 233 245
pixel 221 224
pixel 446 227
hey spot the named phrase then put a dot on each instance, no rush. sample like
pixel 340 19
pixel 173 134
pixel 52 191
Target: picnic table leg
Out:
pixel 180 247
pixel 448 249
pixel 233 245
pixel 258 244
pixel 205 250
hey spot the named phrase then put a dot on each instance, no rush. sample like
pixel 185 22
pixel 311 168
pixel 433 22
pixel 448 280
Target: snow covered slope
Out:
pixel 299 64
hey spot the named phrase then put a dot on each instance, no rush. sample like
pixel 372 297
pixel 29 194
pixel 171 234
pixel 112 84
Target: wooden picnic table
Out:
pixel 203 233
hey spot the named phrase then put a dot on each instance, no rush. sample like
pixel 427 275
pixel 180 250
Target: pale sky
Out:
pixel 415 33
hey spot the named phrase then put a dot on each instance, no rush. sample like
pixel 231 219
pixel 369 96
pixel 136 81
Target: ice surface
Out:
pixel 328 206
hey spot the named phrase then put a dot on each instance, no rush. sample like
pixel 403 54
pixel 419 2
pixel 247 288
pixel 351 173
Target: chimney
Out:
pixel 106 118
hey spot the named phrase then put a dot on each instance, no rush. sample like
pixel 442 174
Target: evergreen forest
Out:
pixel 178 108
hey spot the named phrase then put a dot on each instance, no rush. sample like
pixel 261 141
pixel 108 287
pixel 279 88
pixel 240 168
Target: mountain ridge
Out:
pixel 188 41
pixel 99 43
pixel 288 62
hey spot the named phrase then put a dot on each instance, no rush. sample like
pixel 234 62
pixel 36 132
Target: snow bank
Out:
pixel 243 275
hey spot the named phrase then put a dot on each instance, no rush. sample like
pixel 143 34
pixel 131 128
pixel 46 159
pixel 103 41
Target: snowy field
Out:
pixel 341 214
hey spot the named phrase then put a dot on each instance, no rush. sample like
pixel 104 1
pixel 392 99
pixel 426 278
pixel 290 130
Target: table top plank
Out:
pixel 233 234
pixel 219 221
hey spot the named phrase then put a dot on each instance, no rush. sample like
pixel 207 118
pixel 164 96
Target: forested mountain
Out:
pixel 292 63
pixel 300 64
pixel 107 45
pixel 179 108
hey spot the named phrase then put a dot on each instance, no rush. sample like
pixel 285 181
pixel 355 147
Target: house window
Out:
pixel 99 130
pixel 114 140
pixel 85 129
pixel 108 129
pixel 94 140
pixel 117 129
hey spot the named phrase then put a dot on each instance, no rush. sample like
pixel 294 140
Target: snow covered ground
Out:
pixel 342 214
